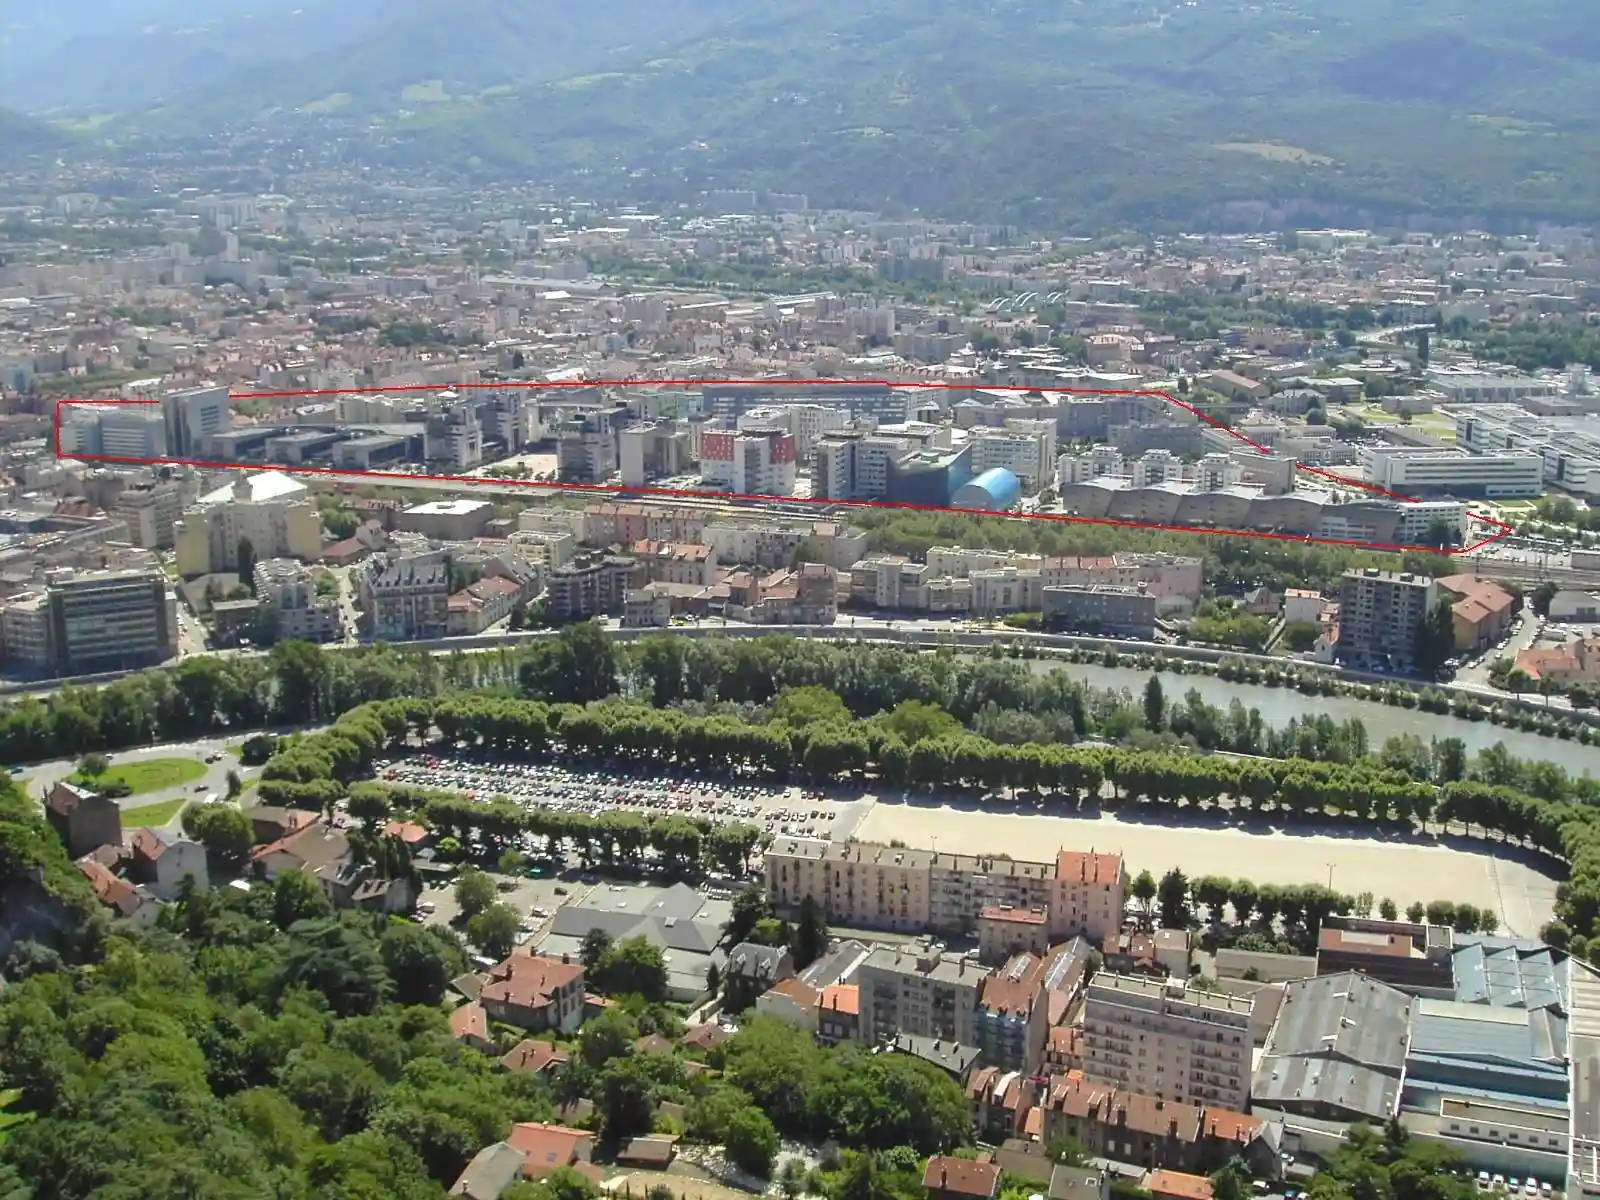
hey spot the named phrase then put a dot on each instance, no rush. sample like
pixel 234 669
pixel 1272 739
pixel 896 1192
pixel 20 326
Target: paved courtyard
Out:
pixel 1404 870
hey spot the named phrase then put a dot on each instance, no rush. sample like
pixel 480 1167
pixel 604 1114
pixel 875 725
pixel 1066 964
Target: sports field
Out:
pixel 1404 871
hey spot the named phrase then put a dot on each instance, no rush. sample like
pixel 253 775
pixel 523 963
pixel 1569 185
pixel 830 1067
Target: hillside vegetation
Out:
pixel 1083 115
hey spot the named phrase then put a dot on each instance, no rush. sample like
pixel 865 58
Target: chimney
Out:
pixel 944 1174
pixel 566 958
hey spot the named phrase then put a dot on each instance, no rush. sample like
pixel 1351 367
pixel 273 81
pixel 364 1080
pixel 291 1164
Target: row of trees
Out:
pixel 824 747
pixel 998 697
pixel 1300 908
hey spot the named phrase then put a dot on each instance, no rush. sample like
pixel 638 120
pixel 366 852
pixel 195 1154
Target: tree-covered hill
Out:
pixel 1079 115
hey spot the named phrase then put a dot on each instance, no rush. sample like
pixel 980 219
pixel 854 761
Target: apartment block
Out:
pixel 271 510
pixel 1379 615
pixel 962 886
pixel 149 510
pixel 1167 1040
pixel 1012 1018
pixel 287 594
pixel 920 991
pixel 587 446
pixel 1090 894
pixel 871 885
pixel 25 635
pixel 589 586
pixel 754 462
pixel 403 597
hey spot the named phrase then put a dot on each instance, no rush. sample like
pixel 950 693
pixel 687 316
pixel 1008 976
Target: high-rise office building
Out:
pixel 191 416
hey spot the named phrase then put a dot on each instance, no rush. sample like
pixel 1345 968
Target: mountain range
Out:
pixel 1069 113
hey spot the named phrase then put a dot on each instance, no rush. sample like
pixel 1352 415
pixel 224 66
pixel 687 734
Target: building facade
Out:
pixel 1167 1040
pixel 1380 613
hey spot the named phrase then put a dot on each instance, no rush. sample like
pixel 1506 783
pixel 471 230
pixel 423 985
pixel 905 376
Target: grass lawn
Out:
pixel 153 815
pixel 151 775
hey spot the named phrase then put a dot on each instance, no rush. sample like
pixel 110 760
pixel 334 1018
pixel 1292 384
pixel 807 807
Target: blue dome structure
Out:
pixel 996 490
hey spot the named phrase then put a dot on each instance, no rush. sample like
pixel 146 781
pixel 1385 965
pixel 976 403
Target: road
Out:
pixel 40 777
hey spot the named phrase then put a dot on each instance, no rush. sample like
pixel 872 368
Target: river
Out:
pixel 1383 721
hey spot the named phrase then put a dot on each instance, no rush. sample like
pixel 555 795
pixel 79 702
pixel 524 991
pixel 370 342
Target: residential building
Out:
pixel 149 510
pixel 287 593
pixel 1089 895
pixel 162 861
pixel 791 1000
pixel 1012 1017
pixel 480 605
pixel 490 1173
pixel 547 1148
pixel 919 991
pixel 1574 661
pixel 954 1059
pixel 84 820
pixel 591 585
pixel 1168 1040
pixel 106 620
pixel 871 885
pixel 535 993
pixel 839 1014
pixel 755 462
pixel 752 969
pixel 1482 610
pixel 271 511
pixel 128 902
pixel 1097 609
pixel 25 632
pixel 1004 930
pixel 1380 614
pixel 403 597
pixel 947 1178
pixel 807 422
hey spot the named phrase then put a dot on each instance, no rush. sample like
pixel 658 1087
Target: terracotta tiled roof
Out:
pixel 1178 1185
pixel 842 997
pixel 961 1176
pixel 546 1147
pixel 1088 867
pixel 533 1055
pixel 528 981
pixel 469 1020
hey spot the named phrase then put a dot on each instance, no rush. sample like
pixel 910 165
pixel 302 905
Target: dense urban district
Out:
pixel 517 696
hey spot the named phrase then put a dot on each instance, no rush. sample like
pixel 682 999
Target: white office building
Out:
pixel 1414 472
pixel 1025 448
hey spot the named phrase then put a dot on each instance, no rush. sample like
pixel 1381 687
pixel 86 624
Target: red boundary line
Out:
pixel 611 489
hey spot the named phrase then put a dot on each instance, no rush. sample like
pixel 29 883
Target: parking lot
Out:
pixel 527 896
pixel 776 810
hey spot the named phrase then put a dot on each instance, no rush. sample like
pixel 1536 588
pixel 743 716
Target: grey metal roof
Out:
pixel 1346 1017
pixel 1289 1082
pixel 1514 1037
pixel 748 960
pixel 1508 973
